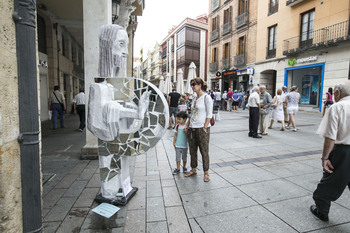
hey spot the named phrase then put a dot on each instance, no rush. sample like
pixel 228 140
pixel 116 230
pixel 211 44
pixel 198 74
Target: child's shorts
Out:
pixel 181 151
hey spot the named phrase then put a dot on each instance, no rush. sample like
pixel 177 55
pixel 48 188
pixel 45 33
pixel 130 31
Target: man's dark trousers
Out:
pixel 253 121
pixel 81 113
pixel 332 185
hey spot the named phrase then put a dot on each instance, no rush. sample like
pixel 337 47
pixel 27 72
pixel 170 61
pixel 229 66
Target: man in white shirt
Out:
pixel 334 128
pixel 218 99
pixel 254 107
pixel 79 107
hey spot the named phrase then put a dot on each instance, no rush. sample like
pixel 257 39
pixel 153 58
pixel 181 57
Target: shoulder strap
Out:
pixel 56 97
pixel 177 127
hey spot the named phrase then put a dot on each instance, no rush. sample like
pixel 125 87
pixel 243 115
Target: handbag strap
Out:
pixel 57 98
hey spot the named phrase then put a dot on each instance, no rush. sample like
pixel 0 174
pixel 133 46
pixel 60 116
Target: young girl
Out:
pixel 182 107
pixel 180 142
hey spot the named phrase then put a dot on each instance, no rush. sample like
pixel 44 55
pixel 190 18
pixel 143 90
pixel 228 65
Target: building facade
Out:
pixel 303 43
pixel 153 65
pixel 185 43
pixel 231 43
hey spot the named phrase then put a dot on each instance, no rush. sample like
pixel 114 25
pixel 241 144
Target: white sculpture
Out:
pixel 128 120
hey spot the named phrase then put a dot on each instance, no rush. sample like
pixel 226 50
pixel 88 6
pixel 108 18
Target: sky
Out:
pixel 159 16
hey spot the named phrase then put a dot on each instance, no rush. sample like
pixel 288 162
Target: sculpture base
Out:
pixel 118 201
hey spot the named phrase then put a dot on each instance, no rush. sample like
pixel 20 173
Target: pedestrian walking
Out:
pixel 284 94
pixel 277 111
pixel 229 99
pixel 57 104
pixel 293 100
pixel 199 128
pixel 265 102
pixel 329 100
pixel 182 107
pixel 254 108
pixel 217 99
pixel 79 107
pixel 334 127
pixel 173 101
pixel 224 101
pixel 180 142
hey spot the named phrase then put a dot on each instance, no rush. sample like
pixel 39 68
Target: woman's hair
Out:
pixel 182 101
pixel 199 81
pixel 330 90
pixel 279 92
pixel 294 88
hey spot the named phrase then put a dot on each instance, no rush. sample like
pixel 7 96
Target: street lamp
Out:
pixel 115 9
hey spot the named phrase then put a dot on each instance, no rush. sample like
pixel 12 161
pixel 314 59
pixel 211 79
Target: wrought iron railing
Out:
pixel 239 60
pixel 152 77
pixel 215 5
pixel 214 35
pixel 163 68
pixel 322 37
pixel 164 53
pixel 242 19
pixel 213 67
pixel 226 28
pixel 153 64
pixel 273 8
pixel 226 63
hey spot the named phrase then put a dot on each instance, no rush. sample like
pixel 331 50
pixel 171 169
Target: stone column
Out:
pixel 95 14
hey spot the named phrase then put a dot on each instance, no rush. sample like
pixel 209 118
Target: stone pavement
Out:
pixel 257 185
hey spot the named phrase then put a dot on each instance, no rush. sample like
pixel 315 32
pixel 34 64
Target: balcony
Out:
pixel 144 72
pixel 273 8
pixel 214 35
pixel 293 2
pixel 153 64
pixel 226 63
pixel 270 53
pixel 226 28
pixel 324 37
pixel 164 53
pixel 152 77
pixel 242 19
pixel 239 60
pixel 215 5
pixel 213 67
pixel 163 68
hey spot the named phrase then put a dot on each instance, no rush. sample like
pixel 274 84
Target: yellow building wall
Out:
pixel 288 20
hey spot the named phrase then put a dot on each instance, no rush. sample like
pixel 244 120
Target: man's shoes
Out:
pixel 250 135
pixel 315 212
pixel 257 136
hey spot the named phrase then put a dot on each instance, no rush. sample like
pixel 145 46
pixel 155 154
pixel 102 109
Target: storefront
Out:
pixel 229 80
pixel 309 80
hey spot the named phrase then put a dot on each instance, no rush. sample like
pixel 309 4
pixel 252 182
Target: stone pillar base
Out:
pixel 89 153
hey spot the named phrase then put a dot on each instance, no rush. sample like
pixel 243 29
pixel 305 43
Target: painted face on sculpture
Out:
pixel 120 45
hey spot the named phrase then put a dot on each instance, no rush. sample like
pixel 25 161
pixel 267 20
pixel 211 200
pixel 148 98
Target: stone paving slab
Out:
pixel 290 169
pixel 74 220
pixel 155 209
pixel 307 181
pixel 177 220
pixel 154 188
pixel 76 188
pixel 135 221
pixel 171 197
pixel 60 210
pixel 337 229
pixel 273 190
pixel 157 227
pixel 195 228
pixel 249 175
pixel 255 219
pixel 296 213
pixel 52 197
pixel 86 198
pixel 215 201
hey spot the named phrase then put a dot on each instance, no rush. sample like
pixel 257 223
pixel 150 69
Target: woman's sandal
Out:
pixel 206 177
pixel 190 173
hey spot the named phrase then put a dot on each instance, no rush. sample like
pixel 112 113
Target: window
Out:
pixel 271 51
pixel 228 15
pixel 307 28
pixel 242 6
pixel 273 6
pixel 181 55
pixel 240 46
pixel 41 35
pixel 214 24
pixel 226 51
pixel 214 57
pixel 181 37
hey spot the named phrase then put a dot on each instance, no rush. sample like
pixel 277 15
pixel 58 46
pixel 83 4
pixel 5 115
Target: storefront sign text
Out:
pixel 301 60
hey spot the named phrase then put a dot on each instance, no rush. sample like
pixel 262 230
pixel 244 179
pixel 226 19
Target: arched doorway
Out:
pixel 268 78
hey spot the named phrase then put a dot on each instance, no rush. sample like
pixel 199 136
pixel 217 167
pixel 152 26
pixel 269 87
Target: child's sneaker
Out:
pixel 184 169
pixel 176 171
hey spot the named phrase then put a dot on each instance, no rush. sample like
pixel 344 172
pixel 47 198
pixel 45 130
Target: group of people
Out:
pixel 57 105
pixel 193 130
pixel 284 107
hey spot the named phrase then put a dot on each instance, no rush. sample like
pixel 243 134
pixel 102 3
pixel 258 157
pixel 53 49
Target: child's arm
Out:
pixel 175 135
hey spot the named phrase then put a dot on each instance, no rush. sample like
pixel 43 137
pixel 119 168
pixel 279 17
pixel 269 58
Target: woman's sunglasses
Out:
pixel 193 84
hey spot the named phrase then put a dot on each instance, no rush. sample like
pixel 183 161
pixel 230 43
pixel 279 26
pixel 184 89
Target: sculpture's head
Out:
pixel 113 50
